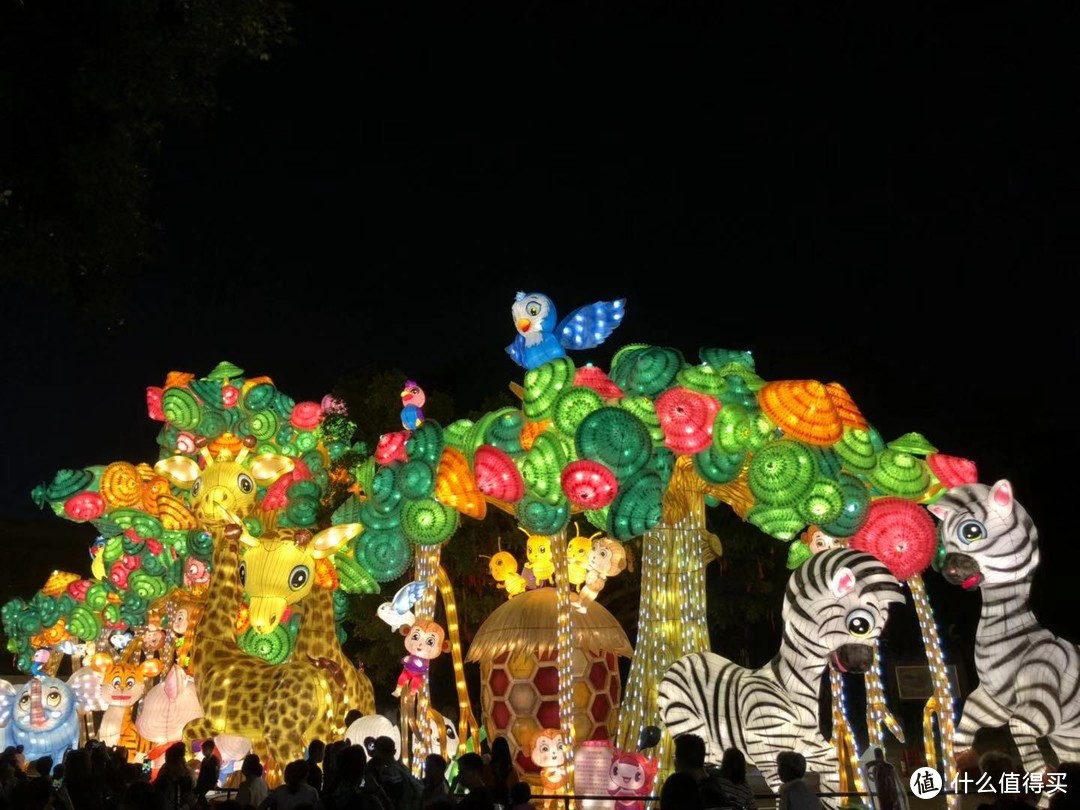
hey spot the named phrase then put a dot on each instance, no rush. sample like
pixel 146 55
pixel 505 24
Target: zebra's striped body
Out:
pixel 835 607
pixel 1028 678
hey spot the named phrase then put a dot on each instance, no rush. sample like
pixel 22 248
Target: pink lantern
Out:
pixel 589 484
pixel 84 506
pixel 153 403
pixel 687 418
pixel 899 533
pixel 230 395
pixel 952 471
pixel 391 447
pixel 496 474
pixel 306 415
pixel 592 377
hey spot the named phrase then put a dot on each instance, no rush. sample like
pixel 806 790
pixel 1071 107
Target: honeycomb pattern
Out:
pixel 520 695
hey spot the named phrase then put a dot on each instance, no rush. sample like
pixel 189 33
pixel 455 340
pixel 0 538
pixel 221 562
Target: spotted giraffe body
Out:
pixel 280 708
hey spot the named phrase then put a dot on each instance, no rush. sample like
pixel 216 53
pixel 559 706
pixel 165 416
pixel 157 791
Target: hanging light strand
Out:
pixel 565 654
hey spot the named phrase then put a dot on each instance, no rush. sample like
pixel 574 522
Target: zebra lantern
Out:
pixel 1028 677
pixel 835 607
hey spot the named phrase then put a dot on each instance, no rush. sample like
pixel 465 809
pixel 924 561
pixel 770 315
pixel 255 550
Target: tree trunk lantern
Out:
pixel 517 650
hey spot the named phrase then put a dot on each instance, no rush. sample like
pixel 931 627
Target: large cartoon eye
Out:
pixel 24 701
pixel 196 487
pixel 243 574
pixel 298 577
pixel 533 309
pixel 860 622
pixel 53 698
pixel 971 530
pixel 430 641
pixel 245 483
pixel 117 683
pixel 130 683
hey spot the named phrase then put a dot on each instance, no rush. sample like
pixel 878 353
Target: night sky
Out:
pixel 852 201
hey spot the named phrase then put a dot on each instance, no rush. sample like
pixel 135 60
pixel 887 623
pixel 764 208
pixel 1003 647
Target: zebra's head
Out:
pixel 988 537
pixel 836 605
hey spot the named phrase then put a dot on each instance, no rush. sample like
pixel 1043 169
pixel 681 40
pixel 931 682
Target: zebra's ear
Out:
pixel 938 511
pixel 843 582
pixel 1001 498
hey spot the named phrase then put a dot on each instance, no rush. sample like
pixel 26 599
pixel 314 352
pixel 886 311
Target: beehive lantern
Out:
pixel 517 648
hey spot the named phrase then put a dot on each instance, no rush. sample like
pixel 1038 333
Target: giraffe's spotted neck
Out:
pixel 317 636
pixel 216 634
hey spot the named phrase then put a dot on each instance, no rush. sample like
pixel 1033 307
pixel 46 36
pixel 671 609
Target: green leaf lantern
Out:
pixel 571 407
pixel 643 409
pixel 638 506
pixel 823 503
pixel 856 507
pixel 426 443
pixel 504 432
pixel 385 553
pixel 540 517
pixel 274 647
pixel 782 472
pixel 456 434
pixel 798 553
pixel 900 474
pixel 353 577
pixel 542 387
pixel 718 467
pixel 702 379
pixel 427 522
pixel 617 439
pixel 417 479
pixel 781 522
pixel 856 450
pixel 647 372
pixel 542 466
pixel 181 408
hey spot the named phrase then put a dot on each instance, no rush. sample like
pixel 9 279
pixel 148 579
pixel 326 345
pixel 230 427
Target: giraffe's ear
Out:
pixel 327 541
pixel 266 468
pixel 180 470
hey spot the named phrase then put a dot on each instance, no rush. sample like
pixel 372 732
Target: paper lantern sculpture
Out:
pixel 424 642
pixel 541 338
pixel 548 753
pixel 630 776
pixel 123 684
pixel 835 607
pixel 1028 677
pixel 519 677
pixel 168 707
pixel 42 716
pixel 412 401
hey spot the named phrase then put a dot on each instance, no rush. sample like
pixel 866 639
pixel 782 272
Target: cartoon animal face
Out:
pixel 578 550
pixel 504 569
pixel 122 683
pixel 426 640
pixel 195 573
pixel 278 569
pixel 227 487
pixel 818 541
pixel 413 395
pixel 41 716
pixel 989 538
pixel 608 557
pixel 538 550
pixel 548 750
pixel 836 605
pixel 532 313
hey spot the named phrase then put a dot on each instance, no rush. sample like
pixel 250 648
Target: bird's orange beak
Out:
pixel 404 393
pixel 523 324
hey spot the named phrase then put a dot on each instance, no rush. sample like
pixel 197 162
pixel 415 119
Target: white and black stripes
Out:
pixel 1028 677
pixel 835 606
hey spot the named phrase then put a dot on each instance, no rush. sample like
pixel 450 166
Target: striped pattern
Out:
pixel 1028 678
pixel 775 708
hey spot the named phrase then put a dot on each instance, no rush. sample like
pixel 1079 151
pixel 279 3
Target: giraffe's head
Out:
pixel 226 486
pixel 278 569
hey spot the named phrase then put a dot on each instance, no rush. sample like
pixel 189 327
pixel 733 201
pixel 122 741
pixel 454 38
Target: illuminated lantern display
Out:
pixel 1027 676
pixel 166 709
pixel 592 764
pixel 630 775
pixel 123 684
pixel 835 608
pixel 542 337
pixel 42 715
pixel 517 650
pixel 424 641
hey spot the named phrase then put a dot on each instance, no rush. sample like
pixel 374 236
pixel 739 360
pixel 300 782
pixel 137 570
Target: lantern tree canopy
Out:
pixel 785 455
pixel 150 547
